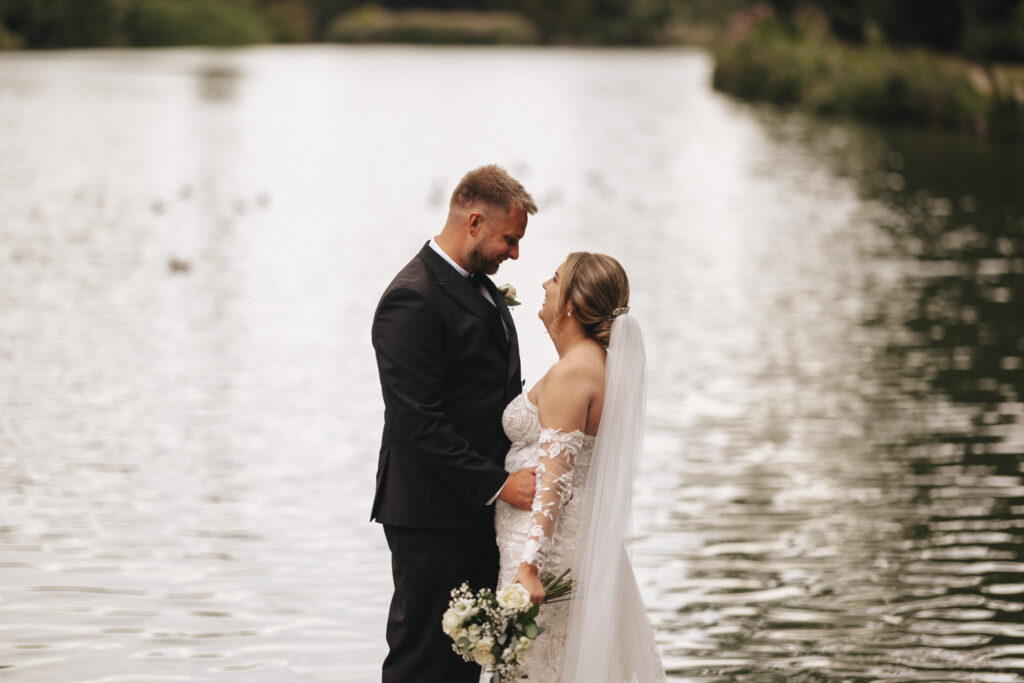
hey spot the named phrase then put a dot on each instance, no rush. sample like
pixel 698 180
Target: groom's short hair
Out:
pixel 492 185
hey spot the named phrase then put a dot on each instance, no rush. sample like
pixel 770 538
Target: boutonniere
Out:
pixel 508 292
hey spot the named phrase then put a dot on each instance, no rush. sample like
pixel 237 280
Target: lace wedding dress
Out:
pixel 562 461
pixel 580 520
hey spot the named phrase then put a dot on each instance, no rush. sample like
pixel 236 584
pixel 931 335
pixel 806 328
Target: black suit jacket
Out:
pixel 447 371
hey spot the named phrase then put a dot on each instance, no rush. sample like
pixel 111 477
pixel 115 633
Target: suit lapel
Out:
pixel 509 340
pixel 513 338
pixel 466 294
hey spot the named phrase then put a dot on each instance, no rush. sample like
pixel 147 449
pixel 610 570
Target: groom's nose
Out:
pixel 513 252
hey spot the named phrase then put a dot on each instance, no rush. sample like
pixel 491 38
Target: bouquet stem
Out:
pixel 556 588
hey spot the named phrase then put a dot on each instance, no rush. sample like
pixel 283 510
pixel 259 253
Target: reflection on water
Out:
pixel 218 81
pixel 192 245
pixel 856 513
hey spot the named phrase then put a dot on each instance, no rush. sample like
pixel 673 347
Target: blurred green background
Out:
pixel 952 64
pixel 980 29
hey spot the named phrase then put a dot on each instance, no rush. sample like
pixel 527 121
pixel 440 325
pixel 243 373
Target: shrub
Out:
pixel 60 23
pixel 289 20
pixel 8 40
pixel 787 66
pixel 151 23
pixel 371 23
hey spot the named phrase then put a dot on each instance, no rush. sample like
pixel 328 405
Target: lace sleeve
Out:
pixel 558 451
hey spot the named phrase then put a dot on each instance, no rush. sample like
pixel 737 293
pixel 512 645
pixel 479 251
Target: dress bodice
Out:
pixel 522 427
pixel 520 422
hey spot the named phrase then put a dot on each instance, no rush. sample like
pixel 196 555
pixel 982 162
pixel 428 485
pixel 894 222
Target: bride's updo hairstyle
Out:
pixel 594 287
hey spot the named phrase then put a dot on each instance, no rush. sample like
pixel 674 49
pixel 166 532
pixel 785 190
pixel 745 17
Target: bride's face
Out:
pixel 547 311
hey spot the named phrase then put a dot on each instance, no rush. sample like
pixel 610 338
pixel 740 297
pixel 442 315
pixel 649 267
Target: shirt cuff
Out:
pixel 495 496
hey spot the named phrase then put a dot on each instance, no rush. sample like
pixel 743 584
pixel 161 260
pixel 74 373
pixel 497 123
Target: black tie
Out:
pixel 478 281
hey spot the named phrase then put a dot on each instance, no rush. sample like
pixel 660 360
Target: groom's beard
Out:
pixel 478 263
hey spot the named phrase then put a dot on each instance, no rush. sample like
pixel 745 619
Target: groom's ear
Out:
pixel 475 220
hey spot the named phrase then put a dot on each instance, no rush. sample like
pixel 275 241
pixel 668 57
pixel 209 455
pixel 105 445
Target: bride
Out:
pixel 581 427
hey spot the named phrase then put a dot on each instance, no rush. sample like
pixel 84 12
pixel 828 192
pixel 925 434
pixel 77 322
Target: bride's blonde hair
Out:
pixel 595 288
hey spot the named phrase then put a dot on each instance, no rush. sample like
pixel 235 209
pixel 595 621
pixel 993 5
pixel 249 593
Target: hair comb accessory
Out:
pixel 618 311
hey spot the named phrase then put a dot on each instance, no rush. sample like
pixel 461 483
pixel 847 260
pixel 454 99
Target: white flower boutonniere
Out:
pixel 508 292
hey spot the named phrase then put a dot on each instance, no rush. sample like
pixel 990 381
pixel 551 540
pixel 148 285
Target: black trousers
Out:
pixel 426 565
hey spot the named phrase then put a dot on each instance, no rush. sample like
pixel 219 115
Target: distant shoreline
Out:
pixel 872 83
pixel 801 66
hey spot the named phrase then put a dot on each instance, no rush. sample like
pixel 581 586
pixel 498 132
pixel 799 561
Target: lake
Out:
pixel 192 245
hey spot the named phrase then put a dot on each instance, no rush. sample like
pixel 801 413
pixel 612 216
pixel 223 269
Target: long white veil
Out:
pixel 610 638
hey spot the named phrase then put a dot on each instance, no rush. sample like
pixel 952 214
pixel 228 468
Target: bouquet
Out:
pixel 495 629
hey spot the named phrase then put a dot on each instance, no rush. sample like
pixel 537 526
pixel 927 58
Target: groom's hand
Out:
pixel 519 488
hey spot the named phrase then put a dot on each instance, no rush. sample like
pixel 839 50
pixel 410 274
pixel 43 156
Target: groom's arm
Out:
pixel 407 337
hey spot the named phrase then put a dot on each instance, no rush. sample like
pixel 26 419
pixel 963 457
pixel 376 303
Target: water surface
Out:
pixel 192 246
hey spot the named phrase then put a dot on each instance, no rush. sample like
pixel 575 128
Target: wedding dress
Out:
pixel 579 520
pixel 552 549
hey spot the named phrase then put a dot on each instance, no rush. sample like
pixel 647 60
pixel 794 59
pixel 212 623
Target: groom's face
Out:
pixel 496 238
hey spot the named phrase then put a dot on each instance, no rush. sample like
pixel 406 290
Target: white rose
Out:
pixel 508 293
pixel 482 654
pixel 514 596
pixel 523 644
pixel 450 621
pixel 463 608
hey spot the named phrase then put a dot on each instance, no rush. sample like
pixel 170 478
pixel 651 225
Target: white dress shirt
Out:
pixel 461 271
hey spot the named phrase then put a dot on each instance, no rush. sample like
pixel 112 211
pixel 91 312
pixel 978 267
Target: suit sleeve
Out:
pixel 408 341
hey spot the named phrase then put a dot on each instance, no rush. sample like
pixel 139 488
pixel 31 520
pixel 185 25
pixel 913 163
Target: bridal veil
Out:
pixel 609 638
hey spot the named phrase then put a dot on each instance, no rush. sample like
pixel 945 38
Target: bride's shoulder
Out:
pixel 573 373
pixel 565 394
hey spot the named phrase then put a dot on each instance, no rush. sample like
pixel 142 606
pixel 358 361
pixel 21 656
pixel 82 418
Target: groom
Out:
pixel 448 359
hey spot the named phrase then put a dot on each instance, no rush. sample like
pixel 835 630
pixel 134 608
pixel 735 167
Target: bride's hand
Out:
pixel 527 575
